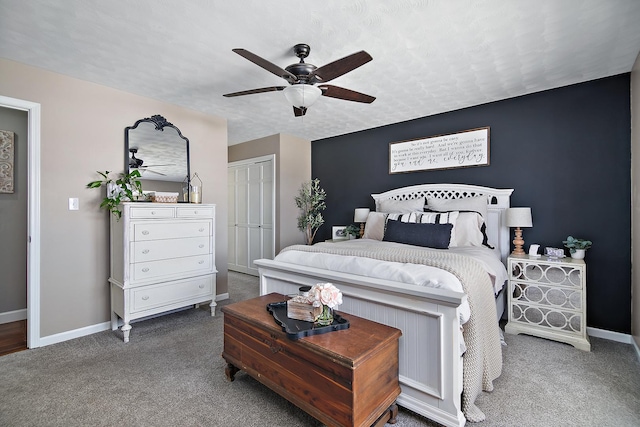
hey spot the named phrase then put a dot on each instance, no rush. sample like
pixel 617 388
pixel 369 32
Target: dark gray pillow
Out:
pixel 436 236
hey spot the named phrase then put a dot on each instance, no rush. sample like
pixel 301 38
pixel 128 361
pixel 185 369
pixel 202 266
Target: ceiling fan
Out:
pixel 136 163
pixel 306 81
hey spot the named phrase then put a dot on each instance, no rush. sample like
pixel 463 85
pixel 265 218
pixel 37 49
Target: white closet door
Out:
pixel 251 204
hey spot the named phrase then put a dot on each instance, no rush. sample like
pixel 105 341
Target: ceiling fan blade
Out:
pixel 346 94
pixel 252 91
pixel 299 111
pixel 342 66
pixel 269 66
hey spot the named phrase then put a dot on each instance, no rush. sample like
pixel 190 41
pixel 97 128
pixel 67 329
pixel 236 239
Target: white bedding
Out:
pixel 416 274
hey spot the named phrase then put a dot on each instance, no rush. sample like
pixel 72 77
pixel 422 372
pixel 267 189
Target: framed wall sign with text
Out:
pixel 456 150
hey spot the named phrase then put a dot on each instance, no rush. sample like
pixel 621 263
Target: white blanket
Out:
pixel 415 274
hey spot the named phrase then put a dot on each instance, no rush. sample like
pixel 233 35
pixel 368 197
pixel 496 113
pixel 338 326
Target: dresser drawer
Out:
pixel 167 230
pixel 200 264
pixel 194 211
pixel 153 250
pixel 152 212
pixel 149 297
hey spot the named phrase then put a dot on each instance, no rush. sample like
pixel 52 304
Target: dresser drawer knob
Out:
pixel 195 212
pixel 201 286
pixel 201 262
pixel 145 251
pixel 201 246
pixel 201 229
pixel 145 270
pixel 153 212
pixel 146 297
pixel 145 232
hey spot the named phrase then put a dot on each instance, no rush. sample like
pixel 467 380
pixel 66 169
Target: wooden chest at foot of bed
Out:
pixel 342 378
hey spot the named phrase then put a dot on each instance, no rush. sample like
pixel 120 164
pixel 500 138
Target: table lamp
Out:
pixel 360 215
pixel 518 217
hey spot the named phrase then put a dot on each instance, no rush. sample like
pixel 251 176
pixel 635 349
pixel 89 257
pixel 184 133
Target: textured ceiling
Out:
pixel 428 56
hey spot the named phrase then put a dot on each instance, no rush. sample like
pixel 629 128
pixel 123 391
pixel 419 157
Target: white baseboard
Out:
pixel 610 335
pixel 76 333
pixel 17 315
pixel 88 330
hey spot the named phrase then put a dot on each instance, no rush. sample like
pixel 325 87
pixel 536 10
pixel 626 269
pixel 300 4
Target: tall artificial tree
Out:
pixel 310 201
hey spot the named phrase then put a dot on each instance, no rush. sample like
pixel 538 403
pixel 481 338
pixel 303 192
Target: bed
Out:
pixel 437 361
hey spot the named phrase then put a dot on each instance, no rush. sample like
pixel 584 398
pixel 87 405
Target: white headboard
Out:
pixel 497 201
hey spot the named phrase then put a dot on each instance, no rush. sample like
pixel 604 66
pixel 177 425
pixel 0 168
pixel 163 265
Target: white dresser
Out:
pixel 162 258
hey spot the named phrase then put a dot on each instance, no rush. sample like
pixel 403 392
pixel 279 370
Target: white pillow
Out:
pixel 475 204
pixel 374 227
pixel 468 230
pixel 401 206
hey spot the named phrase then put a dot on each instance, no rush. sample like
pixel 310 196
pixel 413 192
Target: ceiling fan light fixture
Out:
pixel 302 95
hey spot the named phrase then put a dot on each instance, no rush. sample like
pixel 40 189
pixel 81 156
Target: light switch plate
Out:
pixel 74 204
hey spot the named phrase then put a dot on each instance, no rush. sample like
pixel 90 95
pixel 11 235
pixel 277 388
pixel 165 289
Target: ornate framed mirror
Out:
pixel 160 152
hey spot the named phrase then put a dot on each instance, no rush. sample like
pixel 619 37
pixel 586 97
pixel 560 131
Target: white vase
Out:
pixel 578 254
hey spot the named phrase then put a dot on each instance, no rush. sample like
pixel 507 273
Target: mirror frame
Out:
pixel 160 123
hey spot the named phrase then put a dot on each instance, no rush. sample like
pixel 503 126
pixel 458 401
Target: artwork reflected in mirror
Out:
pixel 160 152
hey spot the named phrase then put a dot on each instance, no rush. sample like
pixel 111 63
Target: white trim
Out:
pixel 610 335
pixel 33 207
pixel 13 316
pixel 221 297
pixel 75 333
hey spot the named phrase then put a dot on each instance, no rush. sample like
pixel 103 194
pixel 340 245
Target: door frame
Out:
pixel 33 213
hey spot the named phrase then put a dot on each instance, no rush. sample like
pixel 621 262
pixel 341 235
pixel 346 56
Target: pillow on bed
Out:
pixel 469 228
pixel 474 204
pixel 435 236
pixel 429 218
pixel 401 206
pixel 374 227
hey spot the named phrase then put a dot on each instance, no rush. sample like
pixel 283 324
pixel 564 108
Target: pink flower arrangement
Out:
pixel 325 294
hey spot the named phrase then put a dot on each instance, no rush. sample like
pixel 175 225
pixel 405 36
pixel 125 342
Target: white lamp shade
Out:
pixel 361 214
pixel 302 95
pixel 519 217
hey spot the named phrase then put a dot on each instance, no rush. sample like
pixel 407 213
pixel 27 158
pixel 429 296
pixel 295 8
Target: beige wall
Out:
pixel 82 131
pixel 635 201
pixel 293 167
pixel 13 218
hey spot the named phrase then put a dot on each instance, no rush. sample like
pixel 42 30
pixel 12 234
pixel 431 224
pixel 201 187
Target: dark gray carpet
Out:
pixel 171 374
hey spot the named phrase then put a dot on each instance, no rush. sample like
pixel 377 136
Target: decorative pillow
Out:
pixel 374 227
pixel 435 236
pixel 401 206
pixel 429 218
pixel 469 230
pixel 473 204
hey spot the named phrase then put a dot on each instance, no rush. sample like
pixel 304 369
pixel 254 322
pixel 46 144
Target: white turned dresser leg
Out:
pixel 213 308
pixel 126 328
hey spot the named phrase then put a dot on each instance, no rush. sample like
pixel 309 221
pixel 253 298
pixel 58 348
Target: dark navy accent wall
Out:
pixel 566 153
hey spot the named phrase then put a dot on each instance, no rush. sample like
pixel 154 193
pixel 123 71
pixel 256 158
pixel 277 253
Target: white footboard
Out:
pixel 430 362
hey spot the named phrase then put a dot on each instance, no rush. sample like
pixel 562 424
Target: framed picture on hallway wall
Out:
pixel 456 150
pixel 6 161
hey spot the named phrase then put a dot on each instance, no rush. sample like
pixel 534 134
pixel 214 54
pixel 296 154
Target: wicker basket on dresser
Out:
pixel 548 299
pixel 162 259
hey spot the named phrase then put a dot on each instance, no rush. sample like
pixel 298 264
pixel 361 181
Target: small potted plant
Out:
pixel 577 247
pixel 352 231
pixel 120 190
